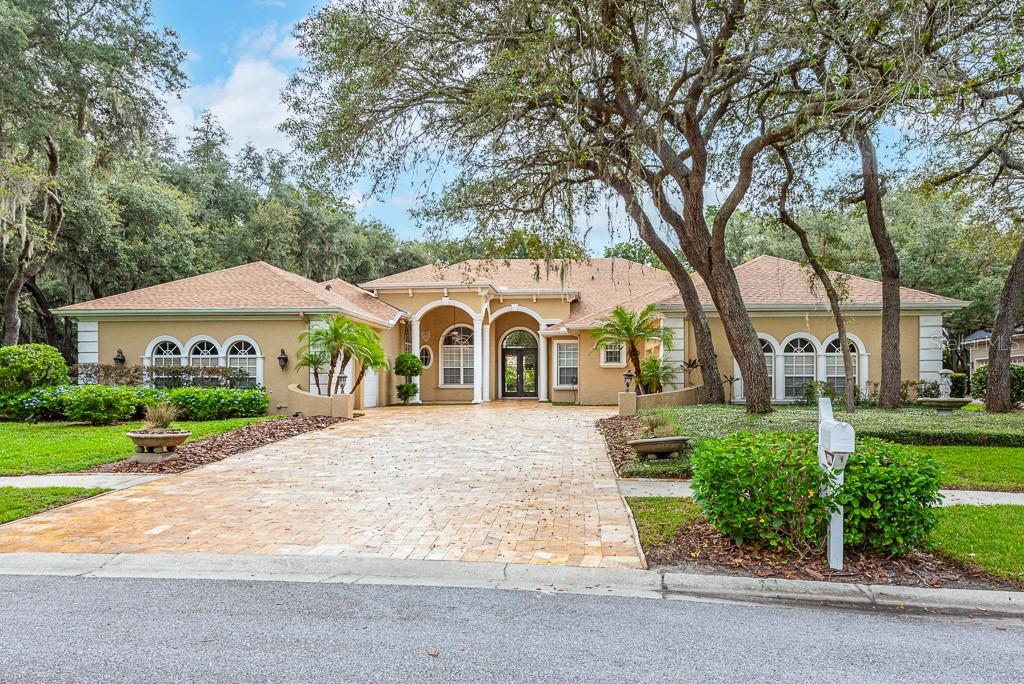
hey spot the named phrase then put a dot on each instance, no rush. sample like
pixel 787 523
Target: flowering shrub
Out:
pixel 100 404
pixel 766 488
pixel 214 403
pixel 24 366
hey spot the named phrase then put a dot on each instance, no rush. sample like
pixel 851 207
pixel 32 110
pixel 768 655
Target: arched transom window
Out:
pixel 835 372
pixel 769 361
pixel 519 339
pixel 457 356
pixel 242 355
pixel 203 354
pixel 166 353
pixel 798 366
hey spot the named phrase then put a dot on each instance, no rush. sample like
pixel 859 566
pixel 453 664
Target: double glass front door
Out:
pixel 519 365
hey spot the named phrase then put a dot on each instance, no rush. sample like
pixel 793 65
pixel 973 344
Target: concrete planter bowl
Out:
pixel 660 447
pixel 157 446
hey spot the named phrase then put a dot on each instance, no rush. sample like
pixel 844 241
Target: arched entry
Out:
pixel 519 364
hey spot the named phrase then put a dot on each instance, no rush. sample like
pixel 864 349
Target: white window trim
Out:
pixel 187 356
pixel 420 355
pixel 604 363
pixel 440 369
pixel 259 354
pixel 563 343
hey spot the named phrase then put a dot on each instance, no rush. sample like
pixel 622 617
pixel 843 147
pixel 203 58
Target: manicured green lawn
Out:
pixel 39 448
pixel 990 537
pixel 17 502
pixel 662 468
pixel 911 425
pixel 658 518
pixel 972 467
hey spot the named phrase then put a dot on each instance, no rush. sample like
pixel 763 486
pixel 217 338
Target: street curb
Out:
pixel 517 576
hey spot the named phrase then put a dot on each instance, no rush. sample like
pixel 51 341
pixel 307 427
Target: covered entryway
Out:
pixel 519 364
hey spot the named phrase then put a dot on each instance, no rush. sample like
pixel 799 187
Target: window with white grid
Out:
pixel 567 363
pixel 457 356
pixel 769 362
pixel 835 371
pixel 242 355
pixel 203 354
pixel 798 366
pixel 612 354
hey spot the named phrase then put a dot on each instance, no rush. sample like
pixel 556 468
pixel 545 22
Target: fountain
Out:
pixel 944 404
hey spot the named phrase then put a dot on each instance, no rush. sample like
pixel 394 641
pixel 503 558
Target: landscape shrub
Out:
pixel 407 390
pixel 192 403
pixel 766 488
pixel 958 385
pixel 979 382
pixel 408 365
pixel 100 404
pixel 26 366
pixel 927 389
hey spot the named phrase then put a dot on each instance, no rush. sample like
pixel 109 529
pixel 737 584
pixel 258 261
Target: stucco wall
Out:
pixel 272 335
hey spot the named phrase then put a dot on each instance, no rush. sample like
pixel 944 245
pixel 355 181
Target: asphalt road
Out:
pixel 55 629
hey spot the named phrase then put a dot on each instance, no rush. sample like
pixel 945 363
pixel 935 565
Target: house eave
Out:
pixel 263 312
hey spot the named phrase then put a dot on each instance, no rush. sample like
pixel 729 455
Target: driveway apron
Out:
pixel 505 481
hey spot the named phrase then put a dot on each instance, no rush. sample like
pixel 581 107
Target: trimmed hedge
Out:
pixel 25 366
pixel 106 404
pixel 766 488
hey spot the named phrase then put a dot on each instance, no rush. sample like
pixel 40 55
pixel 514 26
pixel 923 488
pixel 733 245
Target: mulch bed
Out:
pixel 618 430
pixel 195 454
pixel 699 548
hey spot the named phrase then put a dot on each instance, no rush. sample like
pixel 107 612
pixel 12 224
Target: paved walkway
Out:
pixel 505 482
pixel 102 480
pixel 950 497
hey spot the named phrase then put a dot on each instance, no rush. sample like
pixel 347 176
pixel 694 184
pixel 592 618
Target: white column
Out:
pixel 487 363
pixel 929 359
pixel 542 368
pixel 819 361
pixel 478 358
pixel 780 376
pixel 89 344
pixel 415 343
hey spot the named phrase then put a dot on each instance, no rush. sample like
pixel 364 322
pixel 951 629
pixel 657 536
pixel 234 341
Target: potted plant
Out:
pixel 156 442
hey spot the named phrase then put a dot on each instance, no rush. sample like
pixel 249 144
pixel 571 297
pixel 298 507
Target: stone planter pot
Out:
pixel 944 406
pixel 157 446
pixel 660 447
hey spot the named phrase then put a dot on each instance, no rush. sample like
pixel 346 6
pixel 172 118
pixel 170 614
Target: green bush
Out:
pixel 100 405
pixel 26 366
pixel 958 385
pixel 979 382
pixel 407 390
pixel 193 403
pixel 766 488
pixel 408 365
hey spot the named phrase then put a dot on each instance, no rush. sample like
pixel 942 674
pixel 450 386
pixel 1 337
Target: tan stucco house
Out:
pixel 496 330
pixel 977 344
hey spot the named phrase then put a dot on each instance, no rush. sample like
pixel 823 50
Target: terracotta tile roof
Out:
pixel 768 280
pixel 256 286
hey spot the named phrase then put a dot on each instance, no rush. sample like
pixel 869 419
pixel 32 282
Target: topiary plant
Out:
pixel 25 366
pixel 408 365
pixel 407 391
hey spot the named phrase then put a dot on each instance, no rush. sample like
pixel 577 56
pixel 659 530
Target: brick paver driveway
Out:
pixel 505 481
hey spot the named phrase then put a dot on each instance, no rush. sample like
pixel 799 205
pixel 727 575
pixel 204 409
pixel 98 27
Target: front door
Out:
pixel 519 365
pixel 519 372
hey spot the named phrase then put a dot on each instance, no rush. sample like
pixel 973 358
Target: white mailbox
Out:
pixel 836 441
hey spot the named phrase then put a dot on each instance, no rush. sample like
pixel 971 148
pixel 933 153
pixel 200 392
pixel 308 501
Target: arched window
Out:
pixel 769 361
pixel 166 354
pixel 835 372
pixel 519 339
pixel 457 356
pixel 426 356
pixel 203 354
pixel 243 356
pixel 798 366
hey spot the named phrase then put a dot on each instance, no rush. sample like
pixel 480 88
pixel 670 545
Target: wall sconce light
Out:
pixel 628 378
pixel 119 358
pixel 282 359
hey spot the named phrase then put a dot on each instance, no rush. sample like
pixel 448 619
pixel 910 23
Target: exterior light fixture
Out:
pixel 282 359
pixel 119 358
pixel 628 378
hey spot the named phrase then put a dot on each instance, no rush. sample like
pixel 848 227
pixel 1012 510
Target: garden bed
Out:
pixel 618 430
pixel 675 535
pixel 195 454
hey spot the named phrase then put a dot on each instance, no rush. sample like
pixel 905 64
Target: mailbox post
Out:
pixel 835 444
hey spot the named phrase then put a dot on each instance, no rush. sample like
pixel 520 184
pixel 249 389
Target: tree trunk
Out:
pixel 43 306
pixel 826 281
pixel 634 357
pixel 714 393
pixel 998 395
pixel 889 389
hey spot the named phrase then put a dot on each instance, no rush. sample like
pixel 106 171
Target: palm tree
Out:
pixel 314 360
pixel 336 339
pixel 632 330
pixel 368 352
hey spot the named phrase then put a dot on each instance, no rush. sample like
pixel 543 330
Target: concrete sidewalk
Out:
pixel 950 497
pixel 102 480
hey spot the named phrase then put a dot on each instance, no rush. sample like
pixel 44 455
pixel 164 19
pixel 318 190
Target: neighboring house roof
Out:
pixel 984 335
pixel 770 282
pixel 593 287
pixel 255 287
